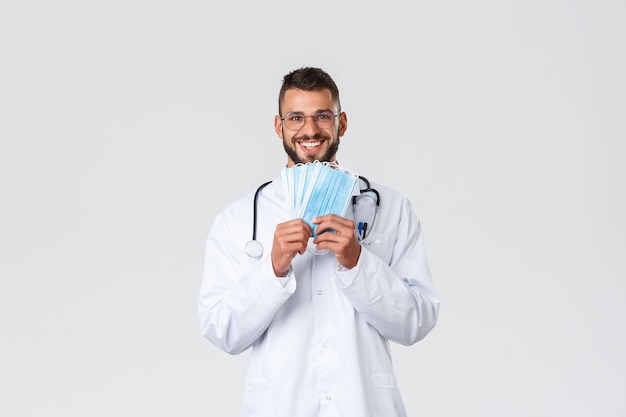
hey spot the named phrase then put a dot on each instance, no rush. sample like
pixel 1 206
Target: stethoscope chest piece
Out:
pixel 254 249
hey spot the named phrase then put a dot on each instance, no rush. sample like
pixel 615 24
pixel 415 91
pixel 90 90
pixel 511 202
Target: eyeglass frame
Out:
pixel 282 119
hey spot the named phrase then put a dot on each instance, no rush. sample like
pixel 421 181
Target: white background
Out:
pixel 125 126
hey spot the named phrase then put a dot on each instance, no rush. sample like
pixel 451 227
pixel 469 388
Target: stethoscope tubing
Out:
pixel 255 206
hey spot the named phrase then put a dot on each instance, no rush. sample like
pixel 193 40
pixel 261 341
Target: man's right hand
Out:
pixel 290 239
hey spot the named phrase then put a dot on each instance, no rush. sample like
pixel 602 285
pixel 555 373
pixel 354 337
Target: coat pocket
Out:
pixel 385 400
pixel 378 243
pixel 257 398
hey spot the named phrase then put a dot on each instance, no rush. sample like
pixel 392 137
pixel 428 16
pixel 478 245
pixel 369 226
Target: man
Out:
pixel 318 325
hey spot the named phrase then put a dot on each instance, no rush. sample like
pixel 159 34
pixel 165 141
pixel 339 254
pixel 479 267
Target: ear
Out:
pixel 343 123
pixel 278 126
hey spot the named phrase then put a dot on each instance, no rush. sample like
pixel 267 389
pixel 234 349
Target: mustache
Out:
pixel 317 136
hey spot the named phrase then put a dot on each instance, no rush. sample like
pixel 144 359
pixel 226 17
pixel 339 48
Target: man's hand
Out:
pixel 290 239
pixel 337 234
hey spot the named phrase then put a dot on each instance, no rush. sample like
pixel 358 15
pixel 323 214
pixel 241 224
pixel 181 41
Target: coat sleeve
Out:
pixel 237 299
pixel 397 298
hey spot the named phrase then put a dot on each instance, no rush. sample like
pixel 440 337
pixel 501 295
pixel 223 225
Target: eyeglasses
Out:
pixel 322 119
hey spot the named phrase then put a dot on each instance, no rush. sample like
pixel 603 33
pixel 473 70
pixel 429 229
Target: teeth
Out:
pixel 310 145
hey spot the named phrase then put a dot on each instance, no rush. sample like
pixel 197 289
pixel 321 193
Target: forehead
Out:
pixel 296 100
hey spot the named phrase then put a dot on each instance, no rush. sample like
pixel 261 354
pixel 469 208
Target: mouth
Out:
pixel 310 146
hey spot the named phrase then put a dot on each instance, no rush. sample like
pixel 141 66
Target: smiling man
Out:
pixel 308 129
pixel 318 326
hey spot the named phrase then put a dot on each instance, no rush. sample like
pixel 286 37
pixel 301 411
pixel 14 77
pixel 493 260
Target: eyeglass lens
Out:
pixel 323 119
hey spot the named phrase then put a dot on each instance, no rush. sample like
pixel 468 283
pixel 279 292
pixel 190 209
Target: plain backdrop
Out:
pixel 125 126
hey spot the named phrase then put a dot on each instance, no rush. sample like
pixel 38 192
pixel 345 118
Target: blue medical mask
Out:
pixel 318 188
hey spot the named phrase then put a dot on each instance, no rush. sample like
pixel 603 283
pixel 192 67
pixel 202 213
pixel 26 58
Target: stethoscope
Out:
pixel 254 249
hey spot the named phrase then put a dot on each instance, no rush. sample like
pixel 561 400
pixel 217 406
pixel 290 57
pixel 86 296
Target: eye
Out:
pixel 294 117
pixel 325 115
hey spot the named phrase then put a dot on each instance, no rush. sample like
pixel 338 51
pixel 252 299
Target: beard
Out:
pixel 326 157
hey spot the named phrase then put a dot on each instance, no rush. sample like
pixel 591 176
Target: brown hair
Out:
pixel 308 79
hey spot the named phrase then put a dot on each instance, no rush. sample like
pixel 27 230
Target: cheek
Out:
pixel 286 136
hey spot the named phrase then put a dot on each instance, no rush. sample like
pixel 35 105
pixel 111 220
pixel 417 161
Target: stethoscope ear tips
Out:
pixel 254 249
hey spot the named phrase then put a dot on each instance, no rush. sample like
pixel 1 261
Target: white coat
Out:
pixel 319 337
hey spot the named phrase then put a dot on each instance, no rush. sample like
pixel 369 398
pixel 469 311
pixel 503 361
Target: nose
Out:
pixel 309 128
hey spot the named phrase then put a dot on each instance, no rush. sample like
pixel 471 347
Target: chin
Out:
pixel 311 158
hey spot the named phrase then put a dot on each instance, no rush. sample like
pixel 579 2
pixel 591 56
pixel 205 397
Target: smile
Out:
pixel 310 145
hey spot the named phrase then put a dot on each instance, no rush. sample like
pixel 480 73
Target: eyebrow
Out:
pixel 316 111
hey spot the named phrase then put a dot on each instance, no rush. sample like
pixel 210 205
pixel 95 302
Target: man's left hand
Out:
pixel 337 234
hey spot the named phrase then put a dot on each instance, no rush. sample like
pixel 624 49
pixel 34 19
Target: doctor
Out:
pixel 318 326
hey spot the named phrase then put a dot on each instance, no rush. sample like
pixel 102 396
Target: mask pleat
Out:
pixel 318 188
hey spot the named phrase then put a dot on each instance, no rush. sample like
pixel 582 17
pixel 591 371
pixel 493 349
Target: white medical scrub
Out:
pixel 319 336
